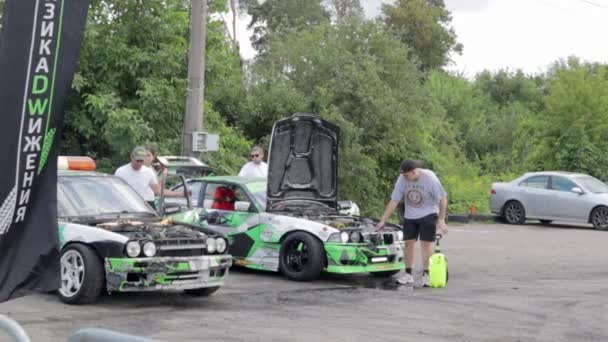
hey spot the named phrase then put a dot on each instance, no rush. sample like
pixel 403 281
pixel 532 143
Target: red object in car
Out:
pixel 493 192
pixel 224 198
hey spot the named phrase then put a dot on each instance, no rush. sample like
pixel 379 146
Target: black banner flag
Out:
pixel 39 45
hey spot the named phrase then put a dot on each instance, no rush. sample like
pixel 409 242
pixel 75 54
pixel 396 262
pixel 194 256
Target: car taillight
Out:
pixel 493 192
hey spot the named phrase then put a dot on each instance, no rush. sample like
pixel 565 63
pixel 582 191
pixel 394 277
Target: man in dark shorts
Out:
pixel 425 210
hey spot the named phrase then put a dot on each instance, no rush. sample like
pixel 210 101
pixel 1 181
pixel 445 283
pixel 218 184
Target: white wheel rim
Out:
pixel 72 273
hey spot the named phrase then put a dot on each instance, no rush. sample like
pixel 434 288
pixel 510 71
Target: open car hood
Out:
pixel 302 161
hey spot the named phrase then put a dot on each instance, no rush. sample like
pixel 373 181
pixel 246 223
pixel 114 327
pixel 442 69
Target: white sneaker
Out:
pixel 426 281
pixel 406 279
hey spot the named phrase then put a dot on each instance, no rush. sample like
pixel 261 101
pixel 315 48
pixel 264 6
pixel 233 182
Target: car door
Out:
pixel 533 194
pixel 565 204
pixel 194 186
pixel 219 199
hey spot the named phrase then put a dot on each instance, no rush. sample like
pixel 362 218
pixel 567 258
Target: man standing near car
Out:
pixel 142 178
pixel 425 211
pixel 256 167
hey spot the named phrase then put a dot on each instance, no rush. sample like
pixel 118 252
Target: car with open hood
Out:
pixel 291 221
pixel 112 240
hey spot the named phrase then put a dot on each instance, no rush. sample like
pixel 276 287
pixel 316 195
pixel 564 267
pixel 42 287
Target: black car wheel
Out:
pixel 82 274
pixel 203 292
pixel 514 213
pixel 301 257
pixel 384 274
pixel 545 221
pixel 599 218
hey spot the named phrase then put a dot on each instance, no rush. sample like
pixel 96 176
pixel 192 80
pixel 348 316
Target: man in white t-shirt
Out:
pixel 142 178
pixel 256 167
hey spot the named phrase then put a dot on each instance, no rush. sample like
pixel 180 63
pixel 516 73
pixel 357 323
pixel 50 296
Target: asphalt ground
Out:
pixel 507 283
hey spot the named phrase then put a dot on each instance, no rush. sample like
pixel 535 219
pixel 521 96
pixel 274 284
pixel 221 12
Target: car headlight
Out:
pixel 220 245
pixel 344 237
pixel 211 245
pixel 133 249
pixel 400 235
pixel 355 237
pixel 149 249
pixel 338 237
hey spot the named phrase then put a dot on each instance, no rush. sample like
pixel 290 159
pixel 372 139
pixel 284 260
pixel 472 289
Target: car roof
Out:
pixel 71 173
pixel 233 179
pixel 555 173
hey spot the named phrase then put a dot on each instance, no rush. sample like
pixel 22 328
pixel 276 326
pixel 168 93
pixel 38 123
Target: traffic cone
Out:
pixel 473 210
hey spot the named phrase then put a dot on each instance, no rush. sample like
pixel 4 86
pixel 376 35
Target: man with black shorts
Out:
pixel 426 205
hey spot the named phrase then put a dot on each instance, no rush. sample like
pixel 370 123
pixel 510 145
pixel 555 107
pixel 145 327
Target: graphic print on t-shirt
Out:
pixel 414 197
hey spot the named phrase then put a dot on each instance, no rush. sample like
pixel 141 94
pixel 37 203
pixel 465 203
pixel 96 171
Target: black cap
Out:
pixel 408 165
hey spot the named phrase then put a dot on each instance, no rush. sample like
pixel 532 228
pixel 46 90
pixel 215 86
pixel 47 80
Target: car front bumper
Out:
pixel 166 273
pixel 362 258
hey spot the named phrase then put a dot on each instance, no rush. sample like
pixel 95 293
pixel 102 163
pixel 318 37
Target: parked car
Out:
pixel 552 195
pixel 291 222
pixel 112 240
pixel 186 166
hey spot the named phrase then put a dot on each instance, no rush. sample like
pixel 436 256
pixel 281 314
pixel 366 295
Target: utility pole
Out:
pixel 193 122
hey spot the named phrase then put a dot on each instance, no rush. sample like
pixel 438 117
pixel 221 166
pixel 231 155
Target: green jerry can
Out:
pixel 438 267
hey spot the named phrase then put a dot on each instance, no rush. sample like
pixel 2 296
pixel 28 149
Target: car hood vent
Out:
pixel 302 161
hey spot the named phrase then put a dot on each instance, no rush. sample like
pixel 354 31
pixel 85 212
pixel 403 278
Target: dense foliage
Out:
pixel 422 25
pixel 380 80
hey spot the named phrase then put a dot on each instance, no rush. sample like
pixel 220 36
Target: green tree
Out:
pixel 342 9
pixel 364 79
pixel 504 87
pixel 424 25
pixel 273 17
pixel 131 83
pixel 1 13
pixel 571 132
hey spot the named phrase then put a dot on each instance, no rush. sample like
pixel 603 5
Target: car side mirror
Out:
pixel 349 208
pixel 242 206
pixel 577 190
pixel 344 205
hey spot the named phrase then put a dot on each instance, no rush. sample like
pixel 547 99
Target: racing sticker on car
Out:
pixel 266 234
pixel 267 258
pixel 323 233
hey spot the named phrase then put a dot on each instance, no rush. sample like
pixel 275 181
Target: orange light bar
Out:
pixel 76 163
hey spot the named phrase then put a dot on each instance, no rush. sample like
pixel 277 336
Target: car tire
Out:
pixel 202 292
pixel 302 257
pixel 546 222
pixel 82 275
pixel 599 218
pixel 514 212
pixel 384 274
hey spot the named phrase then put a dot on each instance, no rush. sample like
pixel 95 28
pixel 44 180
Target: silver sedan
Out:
pixel 552 195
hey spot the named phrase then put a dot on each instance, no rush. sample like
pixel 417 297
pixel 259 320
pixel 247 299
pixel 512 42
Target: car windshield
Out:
pixel 96 196
pixel 258 190
pixel 592 184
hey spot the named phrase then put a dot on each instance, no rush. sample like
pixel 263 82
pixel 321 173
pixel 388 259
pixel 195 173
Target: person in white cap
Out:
pixel 142 178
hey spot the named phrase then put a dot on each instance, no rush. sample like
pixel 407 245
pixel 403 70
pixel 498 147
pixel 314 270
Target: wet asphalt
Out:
pixel 507 283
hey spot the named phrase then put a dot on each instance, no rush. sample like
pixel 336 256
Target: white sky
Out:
pixel 512 34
